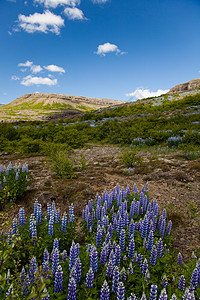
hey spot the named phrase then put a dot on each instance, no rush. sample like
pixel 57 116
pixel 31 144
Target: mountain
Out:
pixel 45 106
pixel 186 86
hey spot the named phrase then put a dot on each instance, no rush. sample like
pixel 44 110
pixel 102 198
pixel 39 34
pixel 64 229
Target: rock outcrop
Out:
pixel 186 87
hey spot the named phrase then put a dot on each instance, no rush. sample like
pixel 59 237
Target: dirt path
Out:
pixel 173 181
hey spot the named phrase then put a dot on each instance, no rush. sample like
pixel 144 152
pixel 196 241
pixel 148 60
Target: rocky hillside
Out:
pixel 45 106
pixel 59 100
pixel 186 87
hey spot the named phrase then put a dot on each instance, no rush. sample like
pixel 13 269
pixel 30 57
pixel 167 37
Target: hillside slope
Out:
pixel 44 106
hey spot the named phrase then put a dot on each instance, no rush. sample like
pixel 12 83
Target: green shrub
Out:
pixel 62 165
pixel 130 159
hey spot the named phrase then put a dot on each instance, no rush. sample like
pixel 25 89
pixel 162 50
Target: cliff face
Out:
pixel 187 86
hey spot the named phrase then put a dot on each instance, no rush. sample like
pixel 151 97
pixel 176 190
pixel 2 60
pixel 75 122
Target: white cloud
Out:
pixel 108 48
pixel 36 69
pixel 30 80
pixel 29 64
pixel 54 68
pixel 141 93
pixel 55 3
pixel 45 22
pixel 100 1
pixel 14 77
pixel 26 64
pixel 74 13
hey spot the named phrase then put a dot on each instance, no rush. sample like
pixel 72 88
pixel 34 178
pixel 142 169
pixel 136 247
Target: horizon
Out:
pixel 98 48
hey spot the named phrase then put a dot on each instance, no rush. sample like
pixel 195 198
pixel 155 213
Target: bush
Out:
pixel 130 159
pixel 62 165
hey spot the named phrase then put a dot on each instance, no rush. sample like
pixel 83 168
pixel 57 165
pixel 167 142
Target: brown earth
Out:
pixel 173 181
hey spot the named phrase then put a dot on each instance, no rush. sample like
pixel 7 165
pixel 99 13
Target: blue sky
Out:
pixel 118 49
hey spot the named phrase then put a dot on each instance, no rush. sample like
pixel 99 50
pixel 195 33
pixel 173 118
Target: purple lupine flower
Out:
pixel 58 285
pixel 144 227
pixel 174 297
pixel 147 276
pixel 122 240
pixel 105 292
pixel 103 256
pixel 78 267
pixel 194 278
pixel 181 284
pixel 33 268
pixel 160 248
pixel 33 231
pixel 110 268
pixel 122 275
pixel 137 208
pixel 57 216
pixel 45 269
pixel 56 244
pixel 94 259
pixel 73 274
pixel 115 279
pixel 153 292
pixel 131 248
pixel 131 229
pixel 39 213
pixel 121 291
pixel 10 241
pixel 50 226
pixel 162 228
pixel 71 213
pixel 64 255
pixel 140 260
pixel 22 275
pixel 163 295
pixel 45 255
pixel 55 260
pixel 98 212
pixel 48 211
pixel 143 297
pixel 150 241
pixel 21 217
pixel 188 295
pixel 153 256
pixel 119 225
pixel 64 222
pixel 112 257
pixel 10 292
pixel 126 219
pixel 164 281
pixel 144 266
pixel 132 210
pixel 89 278
pixel 164 213
pixel 130 269
pixel 45 292
pixel 108 238
pixel 110 230
pixel 169 227
pixel 72 289
pixel 132 297
pixel 15 226
pixel 180 259
pixel 26 285
pixel 72 255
